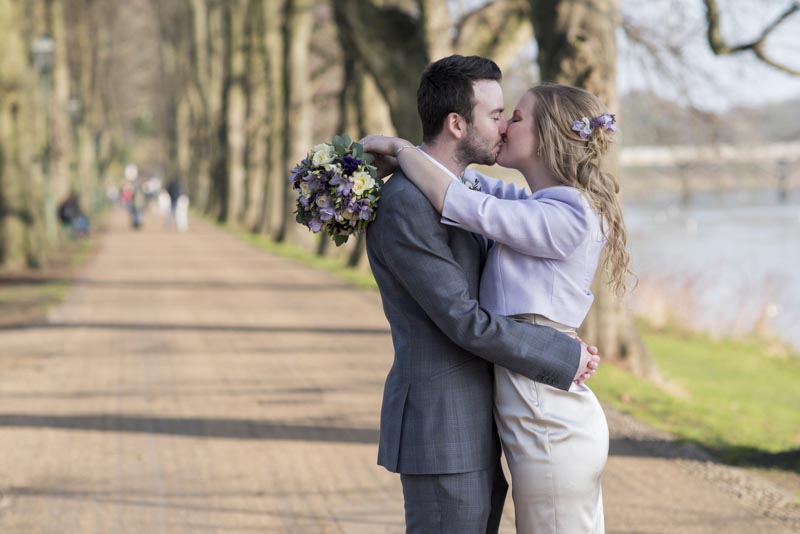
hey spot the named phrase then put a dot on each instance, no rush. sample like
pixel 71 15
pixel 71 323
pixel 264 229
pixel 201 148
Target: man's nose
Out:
pixel 503 126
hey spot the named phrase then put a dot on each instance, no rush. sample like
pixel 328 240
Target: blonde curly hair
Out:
pixel 577 162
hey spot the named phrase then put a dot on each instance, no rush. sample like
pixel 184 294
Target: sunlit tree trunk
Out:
pixel 236 107
pixel 22 138
pixel 257 115
pixel 298 24
pixel 273 210
pixel 577 46
pixel 60 134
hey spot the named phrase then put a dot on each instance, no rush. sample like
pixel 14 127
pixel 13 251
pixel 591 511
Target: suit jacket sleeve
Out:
pixel 551 226
pixel 416 251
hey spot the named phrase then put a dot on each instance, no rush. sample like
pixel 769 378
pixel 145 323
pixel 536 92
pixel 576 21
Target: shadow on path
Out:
pixel 194 426
pixel 154 284
pixel 253 429
pixel 177 327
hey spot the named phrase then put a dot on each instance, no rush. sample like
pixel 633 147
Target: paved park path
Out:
pixel 193 384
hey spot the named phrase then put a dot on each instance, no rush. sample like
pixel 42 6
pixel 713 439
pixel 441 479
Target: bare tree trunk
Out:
pixel 61 144
pixel 257 116
pixel 22 237
pixel 272 213
pixel 577 46
pixel 198 173
pixel 298 24
pixel 217 91
pixel 392 47
pixel 236 108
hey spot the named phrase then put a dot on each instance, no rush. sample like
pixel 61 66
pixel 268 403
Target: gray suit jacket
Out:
pixel 437 415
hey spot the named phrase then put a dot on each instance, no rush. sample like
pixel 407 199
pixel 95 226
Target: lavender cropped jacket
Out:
pixel 546 246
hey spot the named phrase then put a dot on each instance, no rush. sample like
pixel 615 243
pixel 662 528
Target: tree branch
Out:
pixel 496 30
pixel 721 48
pixel 390 44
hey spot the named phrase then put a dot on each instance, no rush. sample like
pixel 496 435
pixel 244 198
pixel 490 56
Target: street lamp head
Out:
pixel 43 52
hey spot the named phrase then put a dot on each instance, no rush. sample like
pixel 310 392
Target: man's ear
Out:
pixel 456 125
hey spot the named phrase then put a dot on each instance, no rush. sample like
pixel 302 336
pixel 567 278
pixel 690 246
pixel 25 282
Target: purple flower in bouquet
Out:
pixel 315 225
pixel 365 211
pixel 350 164
pixel 326 210
pixel 343 185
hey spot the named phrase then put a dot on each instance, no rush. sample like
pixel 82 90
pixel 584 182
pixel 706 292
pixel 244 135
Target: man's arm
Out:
pixel 415 249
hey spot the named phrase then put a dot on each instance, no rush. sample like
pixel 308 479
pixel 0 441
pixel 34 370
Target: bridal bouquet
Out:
pixel 338 189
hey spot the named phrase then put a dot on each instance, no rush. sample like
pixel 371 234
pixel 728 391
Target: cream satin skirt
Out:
pixel 556 446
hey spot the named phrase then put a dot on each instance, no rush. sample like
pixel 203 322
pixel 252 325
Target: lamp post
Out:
pixel 43 54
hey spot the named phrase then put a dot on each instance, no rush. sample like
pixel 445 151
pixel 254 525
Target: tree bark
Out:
pixel 392 46
pixel 22 236
pixel 237 11
pixel 217 90
pixel 273 211
pixel 577 46
pixel 298 23
pixel 257 116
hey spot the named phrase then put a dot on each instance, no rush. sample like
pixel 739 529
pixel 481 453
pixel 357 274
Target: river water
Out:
pixel 727 263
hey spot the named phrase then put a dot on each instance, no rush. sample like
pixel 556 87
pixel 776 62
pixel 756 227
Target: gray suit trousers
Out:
pixel 460 503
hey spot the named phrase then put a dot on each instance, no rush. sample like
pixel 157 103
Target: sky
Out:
pixel 715 83
pixel 700 78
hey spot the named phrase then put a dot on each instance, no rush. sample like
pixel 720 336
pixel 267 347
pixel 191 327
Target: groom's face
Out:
pixel 484 136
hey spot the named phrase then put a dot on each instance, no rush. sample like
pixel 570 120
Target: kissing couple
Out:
pixel 484 285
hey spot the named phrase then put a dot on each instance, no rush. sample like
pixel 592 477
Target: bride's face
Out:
pixel 521 139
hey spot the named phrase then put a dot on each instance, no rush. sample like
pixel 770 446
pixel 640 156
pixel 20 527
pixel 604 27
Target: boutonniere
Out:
pixel 472 184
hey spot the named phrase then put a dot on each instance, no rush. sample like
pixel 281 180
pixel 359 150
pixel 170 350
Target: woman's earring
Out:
pixel 539 152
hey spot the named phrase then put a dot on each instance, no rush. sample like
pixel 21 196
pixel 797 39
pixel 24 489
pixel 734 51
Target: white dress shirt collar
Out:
pixel 438 164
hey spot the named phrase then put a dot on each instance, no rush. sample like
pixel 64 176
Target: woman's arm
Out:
pixel 426 175
pixel 499 188
pixel 551 226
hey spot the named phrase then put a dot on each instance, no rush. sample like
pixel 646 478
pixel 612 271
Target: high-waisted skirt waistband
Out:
pixel 535 318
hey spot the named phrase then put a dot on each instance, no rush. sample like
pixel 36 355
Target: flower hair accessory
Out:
pixel 586 126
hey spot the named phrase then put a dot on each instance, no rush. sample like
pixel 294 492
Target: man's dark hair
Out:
pixel 446 87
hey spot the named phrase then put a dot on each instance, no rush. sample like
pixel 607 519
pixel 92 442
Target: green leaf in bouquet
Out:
pixel 368 158
pixel 358 150
pixel 340 239
pixel 347 140
pixel 339 146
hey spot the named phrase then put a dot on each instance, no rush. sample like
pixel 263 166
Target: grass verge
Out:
pixel 738 402
pixel 27 295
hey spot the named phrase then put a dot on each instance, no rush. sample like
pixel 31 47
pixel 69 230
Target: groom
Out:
pixel 437 426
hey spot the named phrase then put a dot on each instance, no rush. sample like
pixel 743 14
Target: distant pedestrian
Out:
pixel 182 214
pixel 174 191
pixel 72 217
pixel 137 206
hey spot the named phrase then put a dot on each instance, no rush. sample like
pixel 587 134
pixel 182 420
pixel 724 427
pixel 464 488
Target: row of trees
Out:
pixel 56 117
pixel 245 87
